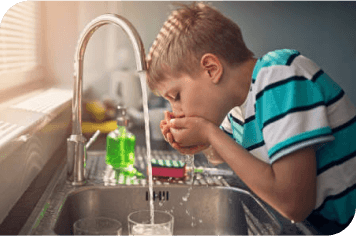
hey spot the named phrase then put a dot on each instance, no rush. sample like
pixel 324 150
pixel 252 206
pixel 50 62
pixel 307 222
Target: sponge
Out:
pixel 168 168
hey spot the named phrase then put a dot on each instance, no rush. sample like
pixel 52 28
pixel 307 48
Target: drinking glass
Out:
pixel 97 226
pixel 139 223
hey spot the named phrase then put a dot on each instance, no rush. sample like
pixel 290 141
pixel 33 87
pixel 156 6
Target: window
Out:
pixel 20 41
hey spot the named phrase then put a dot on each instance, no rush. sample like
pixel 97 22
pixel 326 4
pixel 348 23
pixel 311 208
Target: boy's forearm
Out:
pixel 292 194
pixel 258 175
pixel 245 165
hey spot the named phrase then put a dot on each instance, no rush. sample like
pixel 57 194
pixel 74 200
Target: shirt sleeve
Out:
pixel 291 108
pixel 233 124
pixel 226 126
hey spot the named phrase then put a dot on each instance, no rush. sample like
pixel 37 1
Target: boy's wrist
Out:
pixel 210 129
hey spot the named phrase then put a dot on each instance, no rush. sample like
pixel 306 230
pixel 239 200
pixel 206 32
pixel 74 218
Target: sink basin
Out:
pixel 196 209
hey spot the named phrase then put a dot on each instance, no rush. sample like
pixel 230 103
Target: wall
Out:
pixel 322 31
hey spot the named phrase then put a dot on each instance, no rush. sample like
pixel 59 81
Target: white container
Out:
pixel 125 88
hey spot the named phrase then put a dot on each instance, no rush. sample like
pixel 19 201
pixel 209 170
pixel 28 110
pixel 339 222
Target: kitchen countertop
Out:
pixel 51 175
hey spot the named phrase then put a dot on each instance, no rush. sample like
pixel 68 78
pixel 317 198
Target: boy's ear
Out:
pixel 212 67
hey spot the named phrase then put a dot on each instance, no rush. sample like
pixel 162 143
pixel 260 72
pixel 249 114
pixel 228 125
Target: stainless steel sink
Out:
pixel 196 209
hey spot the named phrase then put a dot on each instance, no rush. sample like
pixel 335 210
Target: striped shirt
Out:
pixel 293 104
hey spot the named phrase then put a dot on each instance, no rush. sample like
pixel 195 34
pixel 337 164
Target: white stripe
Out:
pixel 293 124
pixel 261 154
pixel 237 113
pixel 301 66
pixel 345 107
pixel 251 100
pixel 305 67
pixel 298 146
pixel 335 180
pixel 226 125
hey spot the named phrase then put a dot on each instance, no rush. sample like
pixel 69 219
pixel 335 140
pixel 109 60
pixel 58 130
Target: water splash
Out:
pixel 189 160
pixel 142 75
pixel 186 197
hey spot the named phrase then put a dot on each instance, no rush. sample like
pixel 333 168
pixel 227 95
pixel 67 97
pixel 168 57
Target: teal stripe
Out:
pixel 285 97
pixel 237 131
pixel 329 88
pixel 237 127
pixel 339 148
pixel 298 138
pixel 222 128
pixel 341 209
pixel 278 57
pixel 252 134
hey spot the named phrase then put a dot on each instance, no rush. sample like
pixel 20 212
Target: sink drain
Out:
pixel 160 195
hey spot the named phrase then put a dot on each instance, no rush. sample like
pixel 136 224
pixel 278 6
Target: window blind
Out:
pixel 20 38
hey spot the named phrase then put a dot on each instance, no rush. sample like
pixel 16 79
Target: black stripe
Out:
pixel 296 109
pixel 257 145
pixel 347 124
pixel 326 226
pixel 317 75
pixel 335 197
pixel 291 59
pixel 300 141
pixel 223 129
pixel 336 98
pixel 276 84
pixel 251 118
pixel 336 163
pixel 236 120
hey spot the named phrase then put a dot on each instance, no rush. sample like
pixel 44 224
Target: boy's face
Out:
pixel 196 96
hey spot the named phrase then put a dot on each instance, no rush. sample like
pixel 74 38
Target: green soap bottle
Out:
pixel 120 144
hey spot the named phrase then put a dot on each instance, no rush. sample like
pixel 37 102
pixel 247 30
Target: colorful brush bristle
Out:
pixel 168 168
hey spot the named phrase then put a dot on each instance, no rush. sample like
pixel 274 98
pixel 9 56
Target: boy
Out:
pixel 289 132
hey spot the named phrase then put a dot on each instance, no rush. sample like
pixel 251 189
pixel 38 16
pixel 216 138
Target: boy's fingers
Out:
pixel 168 115
pixel 178 122
pixel 188 150
pixel 162 124
pixel 170 138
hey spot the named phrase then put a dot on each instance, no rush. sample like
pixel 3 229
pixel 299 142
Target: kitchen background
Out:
pixel 323 31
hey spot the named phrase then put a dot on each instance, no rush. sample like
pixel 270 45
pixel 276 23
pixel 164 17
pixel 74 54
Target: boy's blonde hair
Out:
pixel 187 35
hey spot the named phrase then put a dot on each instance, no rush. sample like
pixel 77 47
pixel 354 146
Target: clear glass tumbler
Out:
pixel 97 226
pixel 139 223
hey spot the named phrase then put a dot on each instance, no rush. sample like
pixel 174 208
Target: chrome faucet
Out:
pixel 76 148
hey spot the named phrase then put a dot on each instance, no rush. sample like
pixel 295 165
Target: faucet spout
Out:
pixel 76 142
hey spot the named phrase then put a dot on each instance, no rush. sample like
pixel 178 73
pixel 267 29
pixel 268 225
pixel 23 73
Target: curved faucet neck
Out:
pixel 86 34
pixel 76 151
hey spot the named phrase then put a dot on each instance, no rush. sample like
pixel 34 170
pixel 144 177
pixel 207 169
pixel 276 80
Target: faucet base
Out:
pixel 76 183
pixel 76 155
